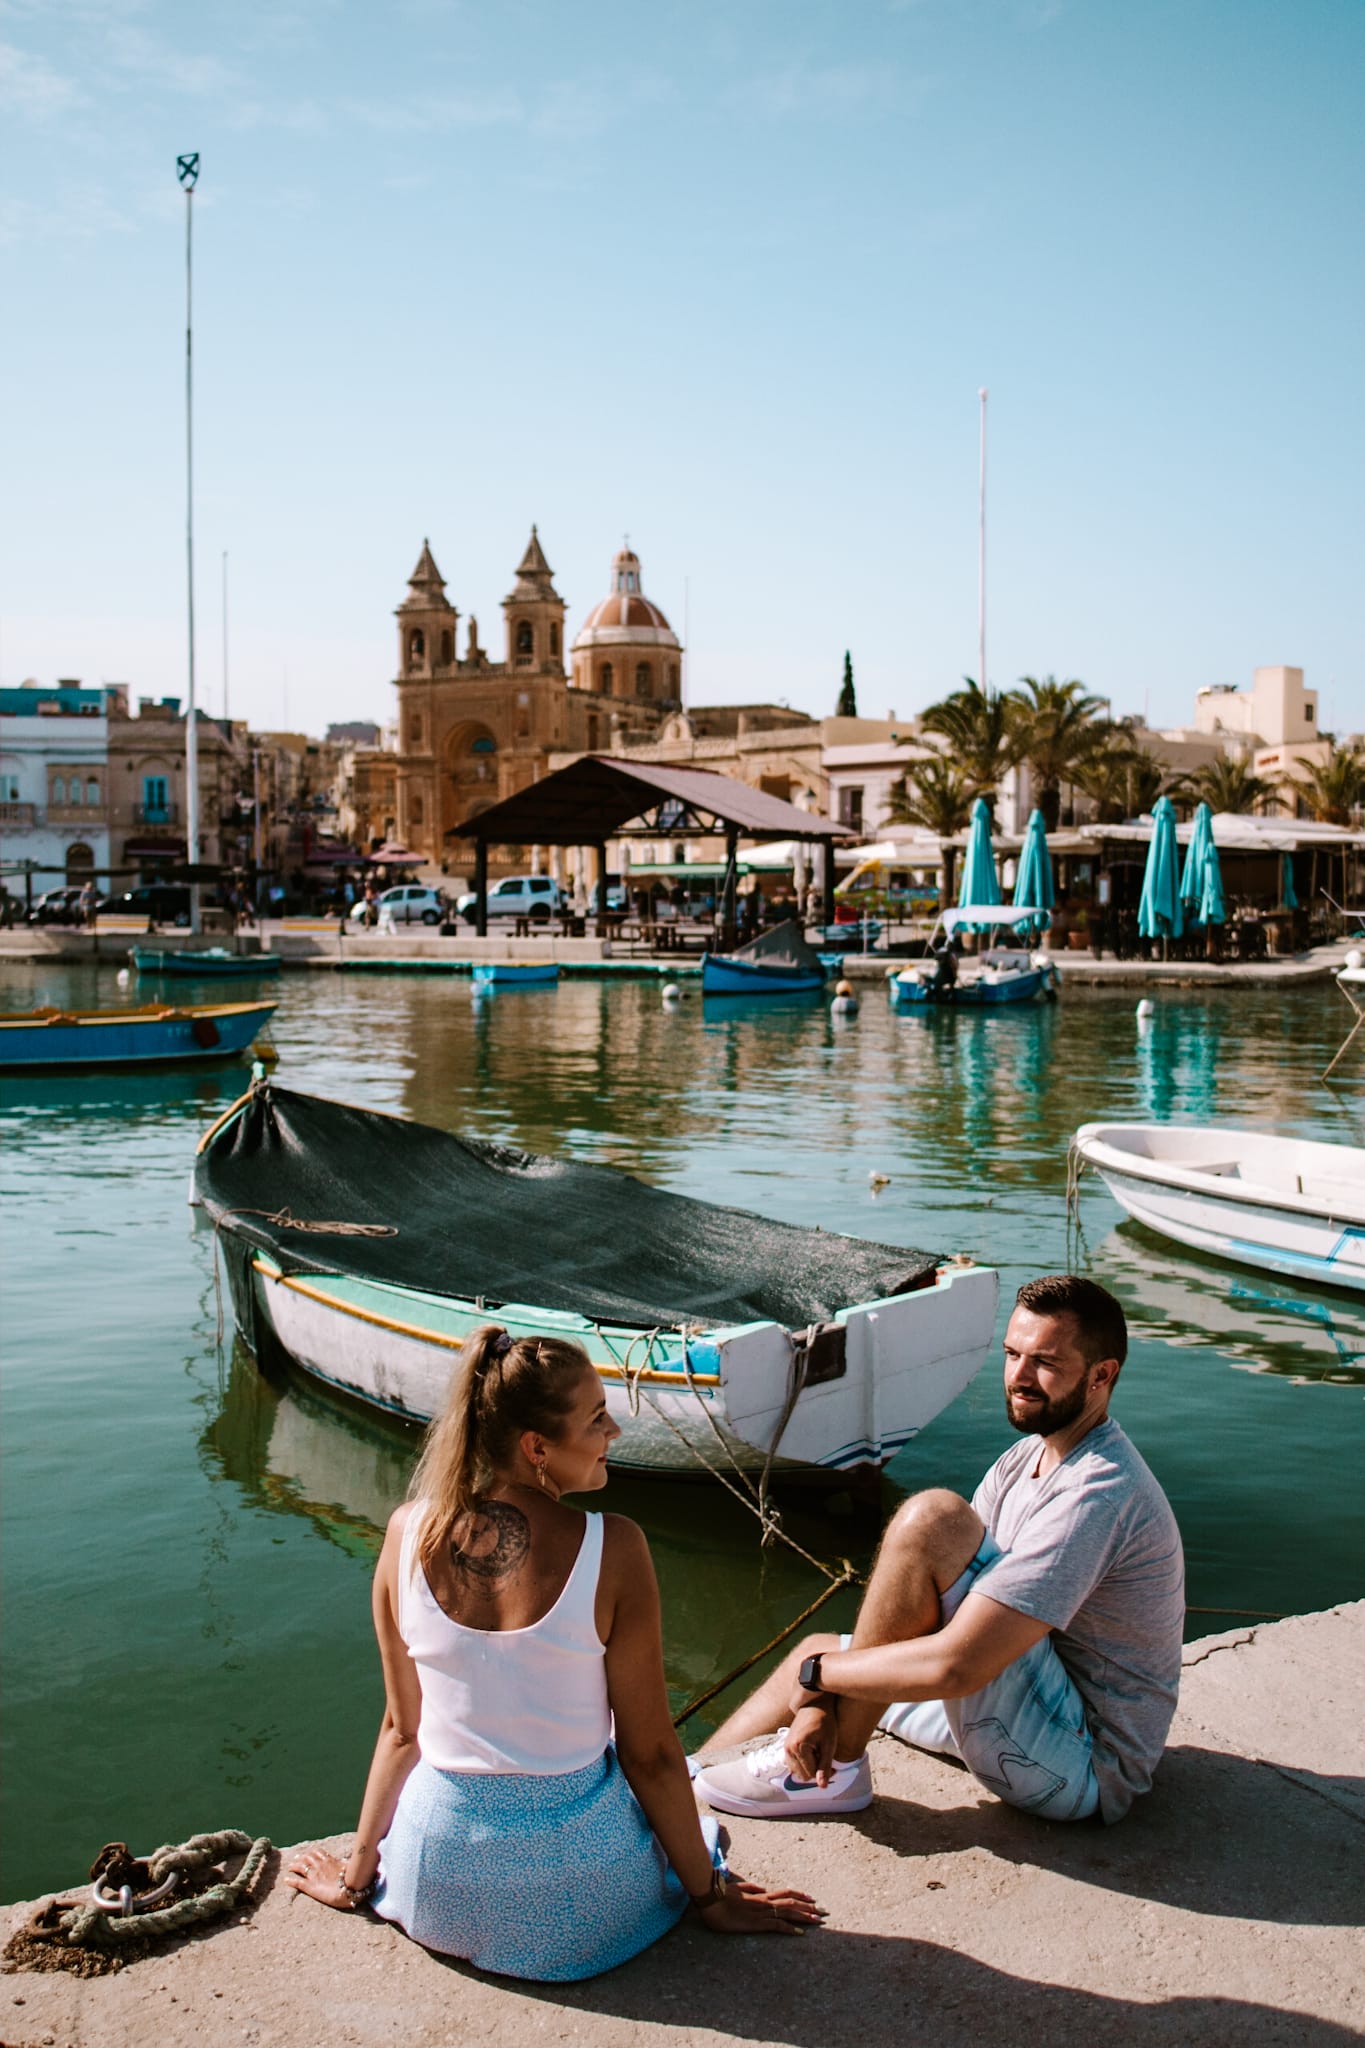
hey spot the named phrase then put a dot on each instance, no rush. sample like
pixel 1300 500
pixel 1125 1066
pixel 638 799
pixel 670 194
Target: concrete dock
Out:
pixel 1225 1910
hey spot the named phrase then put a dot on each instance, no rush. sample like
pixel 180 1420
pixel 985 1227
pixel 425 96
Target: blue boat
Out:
pixel 210 960
pixel 155 1035
pixel 778 963
pixel 988 980
pixel 516 974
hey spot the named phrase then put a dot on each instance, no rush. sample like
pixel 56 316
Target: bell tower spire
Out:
pixel 534 611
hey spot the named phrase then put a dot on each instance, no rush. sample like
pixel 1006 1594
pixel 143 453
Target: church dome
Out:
pixel 625 616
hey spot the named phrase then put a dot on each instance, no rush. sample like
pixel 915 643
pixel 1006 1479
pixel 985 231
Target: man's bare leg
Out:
pixel 926 1546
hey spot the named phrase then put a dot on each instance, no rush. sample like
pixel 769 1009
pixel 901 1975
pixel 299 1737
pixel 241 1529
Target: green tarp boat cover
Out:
pixel 475 1220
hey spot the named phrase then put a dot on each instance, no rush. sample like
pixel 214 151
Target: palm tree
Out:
pixel 976 724
pixel 1055 730
pixel 938 795
pixel 1121 778
pixel 1334 789
pixel 1227 784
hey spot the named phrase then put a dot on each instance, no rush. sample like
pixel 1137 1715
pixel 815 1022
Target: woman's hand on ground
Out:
pixel 754 1909
pixel 319 1873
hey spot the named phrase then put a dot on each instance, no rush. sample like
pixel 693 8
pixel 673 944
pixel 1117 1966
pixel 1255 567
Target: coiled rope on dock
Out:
pixel 96 1934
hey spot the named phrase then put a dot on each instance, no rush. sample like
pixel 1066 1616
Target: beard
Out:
pixel 1045 1418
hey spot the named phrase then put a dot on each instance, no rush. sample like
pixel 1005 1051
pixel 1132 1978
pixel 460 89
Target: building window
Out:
pixel 417 810
pixel 604 679
pixel 484 744
pixel 92 791
pixel 1308 713
pixel 156 800
pixel 851 809
pixel 554 642
pixel 9 789
pixel 417 645
pixel 415 731
pixel 592 732
pixel 526 639
pixel 58 789
pixel 523 722
pixel 447 648
pixel 643 681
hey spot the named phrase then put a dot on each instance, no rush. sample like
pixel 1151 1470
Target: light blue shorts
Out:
pixel 1024 1735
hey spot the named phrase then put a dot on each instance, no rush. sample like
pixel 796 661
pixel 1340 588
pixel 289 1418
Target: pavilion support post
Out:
pixel 827 876
pixel 599 854
pixel 729 923
pixel 481 887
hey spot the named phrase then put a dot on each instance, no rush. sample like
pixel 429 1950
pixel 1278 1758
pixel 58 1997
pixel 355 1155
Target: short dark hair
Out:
pixel 1101 1330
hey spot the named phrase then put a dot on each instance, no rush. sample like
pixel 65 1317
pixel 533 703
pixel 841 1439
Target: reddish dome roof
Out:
pixel 626 614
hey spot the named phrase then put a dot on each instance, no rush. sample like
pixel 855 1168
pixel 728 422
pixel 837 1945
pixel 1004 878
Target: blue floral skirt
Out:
pixel 550 1878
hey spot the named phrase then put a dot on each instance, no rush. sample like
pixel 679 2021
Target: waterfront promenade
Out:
pixel 1223 1913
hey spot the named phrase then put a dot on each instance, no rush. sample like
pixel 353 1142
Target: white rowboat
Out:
pixel 1286 1205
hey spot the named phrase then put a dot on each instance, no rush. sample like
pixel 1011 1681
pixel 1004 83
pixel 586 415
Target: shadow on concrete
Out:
pixel 885 1993
pixel 1218 1834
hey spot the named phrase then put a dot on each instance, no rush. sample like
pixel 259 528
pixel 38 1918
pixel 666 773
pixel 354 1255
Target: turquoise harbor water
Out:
pixel 187 1549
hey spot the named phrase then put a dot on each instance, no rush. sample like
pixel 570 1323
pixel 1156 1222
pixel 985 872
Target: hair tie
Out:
pixel 501 1345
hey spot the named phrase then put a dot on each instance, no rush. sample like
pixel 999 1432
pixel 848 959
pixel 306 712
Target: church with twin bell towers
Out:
pixel 473 730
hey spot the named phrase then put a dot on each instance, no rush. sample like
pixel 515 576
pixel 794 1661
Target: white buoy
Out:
pixel 1146 1007
pixel 1355 959
pixel 124 977
pixel 671 992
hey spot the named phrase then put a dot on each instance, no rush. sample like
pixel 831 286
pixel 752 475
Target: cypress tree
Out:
pixel 847 707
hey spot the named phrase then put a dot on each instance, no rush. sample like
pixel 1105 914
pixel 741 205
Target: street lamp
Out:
pixel 187 174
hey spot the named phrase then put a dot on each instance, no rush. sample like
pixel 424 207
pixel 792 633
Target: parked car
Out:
pixel 158 902
pixel 57 906
pixel 538 897
pixel 406 904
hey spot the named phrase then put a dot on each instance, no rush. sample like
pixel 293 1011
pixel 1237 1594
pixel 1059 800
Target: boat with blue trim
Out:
pixel 195 963
pixel 53 1040
pixel 1284 1205
pixel 776 963
pixel 365 1249
pixel 985 980
pixel 516 973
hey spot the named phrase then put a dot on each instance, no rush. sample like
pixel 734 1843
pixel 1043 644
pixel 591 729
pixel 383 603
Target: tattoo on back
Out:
pixel 496 1542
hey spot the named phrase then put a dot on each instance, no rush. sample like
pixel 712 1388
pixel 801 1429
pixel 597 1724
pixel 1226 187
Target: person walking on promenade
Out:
pixel 1034 1633
pixel 503 1821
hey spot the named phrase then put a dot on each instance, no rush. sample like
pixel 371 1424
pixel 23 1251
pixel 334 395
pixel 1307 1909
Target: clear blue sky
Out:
pixel 725 276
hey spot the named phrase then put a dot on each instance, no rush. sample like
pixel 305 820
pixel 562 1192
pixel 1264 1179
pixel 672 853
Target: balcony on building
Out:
pixel 18 817
pixel 157 813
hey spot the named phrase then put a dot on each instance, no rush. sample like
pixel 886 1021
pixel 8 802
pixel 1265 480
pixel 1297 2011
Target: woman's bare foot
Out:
pixel 319 1873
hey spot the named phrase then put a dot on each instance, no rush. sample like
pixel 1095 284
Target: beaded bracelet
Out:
pixel 359 1895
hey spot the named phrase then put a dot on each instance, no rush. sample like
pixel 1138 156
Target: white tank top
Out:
pixel 526 1700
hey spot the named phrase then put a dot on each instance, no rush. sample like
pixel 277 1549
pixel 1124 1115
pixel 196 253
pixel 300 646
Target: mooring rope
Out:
pixel 90 1926
pixel 848 1578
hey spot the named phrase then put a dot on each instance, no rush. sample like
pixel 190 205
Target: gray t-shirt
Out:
pixel 1092 1549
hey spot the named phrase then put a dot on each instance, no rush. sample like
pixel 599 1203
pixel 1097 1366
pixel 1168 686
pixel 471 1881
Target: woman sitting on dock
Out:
pixel 502 1821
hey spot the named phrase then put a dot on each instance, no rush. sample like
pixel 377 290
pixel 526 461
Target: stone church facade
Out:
pixel 473 730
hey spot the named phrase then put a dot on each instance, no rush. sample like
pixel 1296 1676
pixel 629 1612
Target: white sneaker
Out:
pixel 760 1783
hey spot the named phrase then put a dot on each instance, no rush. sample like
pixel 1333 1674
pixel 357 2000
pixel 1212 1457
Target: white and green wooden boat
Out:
pixel 710 1327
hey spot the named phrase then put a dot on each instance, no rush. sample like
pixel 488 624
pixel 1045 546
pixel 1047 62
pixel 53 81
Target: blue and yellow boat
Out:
pixel 51 1040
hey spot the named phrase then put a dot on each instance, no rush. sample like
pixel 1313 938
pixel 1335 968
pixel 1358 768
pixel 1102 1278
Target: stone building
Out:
pixel 473 730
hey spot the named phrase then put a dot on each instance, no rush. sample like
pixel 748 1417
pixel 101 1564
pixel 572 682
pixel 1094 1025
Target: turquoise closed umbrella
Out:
pixel 1201 879
pixel 1212 909
pixel 980 883
pixel 1287 896
pixel 1159 913
pixel 1033 888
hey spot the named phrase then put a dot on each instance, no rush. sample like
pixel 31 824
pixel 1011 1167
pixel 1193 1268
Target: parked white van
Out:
pixel 538 897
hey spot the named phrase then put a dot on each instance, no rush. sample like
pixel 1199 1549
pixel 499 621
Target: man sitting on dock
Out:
pixel 1035 1634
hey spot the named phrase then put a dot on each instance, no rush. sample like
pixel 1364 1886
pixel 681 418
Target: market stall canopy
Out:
pixel 599 798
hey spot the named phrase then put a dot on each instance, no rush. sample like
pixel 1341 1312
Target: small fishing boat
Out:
pixel 777 963
pixel 516 974
pixel 153 1035
pixel 366 1249
pixel 210 960
pixel 987 979
pixel 1285 1205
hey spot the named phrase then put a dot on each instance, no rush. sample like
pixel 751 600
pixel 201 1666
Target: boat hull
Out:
pixel 722 976
pixel 65 1041
pixel 1229 1206
pixel 908 991
pixel 516 974
pixel 198 966
pixel 683 1405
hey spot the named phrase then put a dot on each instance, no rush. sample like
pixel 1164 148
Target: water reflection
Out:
pixel 1258 1322
pixel 170 1095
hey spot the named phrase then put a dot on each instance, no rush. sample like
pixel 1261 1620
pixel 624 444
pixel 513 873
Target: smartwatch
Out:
pixel 808 1677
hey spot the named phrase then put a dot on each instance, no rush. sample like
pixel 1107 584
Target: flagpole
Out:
pixel 982 394
pixel 187 172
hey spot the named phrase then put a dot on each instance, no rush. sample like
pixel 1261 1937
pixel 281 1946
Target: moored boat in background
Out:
pixel 777 963
pixel 151 1035
pixel 197 962
pixel 996 976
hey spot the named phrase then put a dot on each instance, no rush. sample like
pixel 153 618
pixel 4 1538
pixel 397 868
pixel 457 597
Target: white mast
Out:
pixel 187 171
